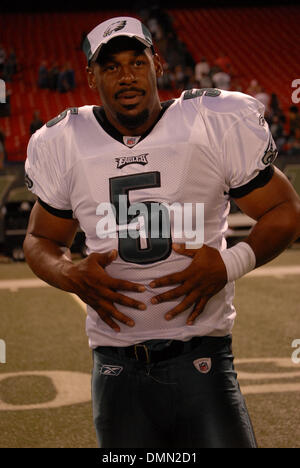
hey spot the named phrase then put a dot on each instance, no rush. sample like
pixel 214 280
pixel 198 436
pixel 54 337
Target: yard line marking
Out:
pixel 278 361
pixel 259 388
pixel 72 388
pixel 14 285
pixel 270 388
pixel 266 375
pixel 276 271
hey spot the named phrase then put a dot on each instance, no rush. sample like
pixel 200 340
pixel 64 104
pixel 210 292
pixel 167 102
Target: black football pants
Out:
pixel 171 404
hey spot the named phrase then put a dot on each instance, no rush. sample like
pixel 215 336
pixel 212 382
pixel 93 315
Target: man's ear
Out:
pixel 158 66
pixel 91 77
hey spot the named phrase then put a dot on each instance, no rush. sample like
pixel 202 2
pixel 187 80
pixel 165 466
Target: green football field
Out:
pixel 45 382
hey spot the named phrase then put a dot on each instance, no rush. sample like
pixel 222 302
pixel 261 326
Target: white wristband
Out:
pixel 238 260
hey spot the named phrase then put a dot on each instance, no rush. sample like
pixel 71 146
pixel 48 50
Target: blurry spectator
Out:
pixel 264 98
pixel 2 57
pixel 2 148
pixel 253 88
pixel 276 127
pixel 275 108
pixel 2 136
pixel 221 80
pixel 66 79
pixel 162 17
pixel 293 144
pixel 161 46
pixel 173 58
pixel 2 156
pixel 5 109
pixel 10 66
pixel 294 119
pixel 205 81
pixel 188 60
pixel 70 76
pixel 36 122
pixel 224 63
pixel 159 23
pixel 43 81
pixel 277 130
pixel 189 78
pixel 53 76
pixel 236 84
pixel 155 29
pixel 62 81
pixel 172 54
pixel 83 36
pixel 142 8
pixel 165 80
pixel 201 68
pixel 179 77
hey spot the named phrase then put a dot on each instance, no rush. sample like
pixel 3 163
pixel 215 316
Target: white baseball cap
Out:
pixel 114 27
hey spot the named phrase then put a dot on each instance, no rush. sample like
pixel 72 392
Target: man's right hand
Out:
pixel 97 289
pixel 46 235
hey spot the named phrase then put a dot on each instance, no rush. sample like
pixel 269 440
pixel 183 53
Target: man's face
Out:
pixel 126 82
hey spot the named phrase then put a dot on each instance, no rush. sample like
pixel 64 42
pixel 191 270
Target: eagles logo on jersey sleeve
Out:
pixel 242 137
pixel 248 149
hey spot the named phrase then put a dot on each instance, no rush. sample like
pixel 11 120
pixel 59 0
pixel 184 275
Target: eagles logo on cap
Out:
pixel 114 28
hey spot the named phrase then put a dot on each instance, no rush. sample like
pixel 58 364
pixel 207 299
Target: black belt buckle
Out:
pixel 146 352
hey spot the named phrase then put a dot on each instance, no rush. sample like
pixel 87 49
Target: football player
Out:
pixel 160 307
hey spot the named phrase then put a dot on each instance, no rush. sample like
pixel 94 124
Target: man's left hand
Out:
pixel 202 279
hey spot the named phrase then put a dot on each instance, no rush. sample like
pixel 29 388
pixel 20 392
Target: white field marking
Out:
pixel 71 388
pixel 270 388
pixel 267 375
pixel 279 271
pixel 277 361
pixel 279 387
pixel 285 363
pixel 15 285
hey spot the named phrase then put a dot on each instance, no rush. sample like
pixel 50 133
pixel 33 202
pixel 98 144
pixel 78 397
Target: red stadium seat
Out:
pixel 262 43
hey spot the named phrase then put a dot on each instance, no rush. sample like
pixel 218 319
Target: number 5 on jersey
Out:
pixel 155 247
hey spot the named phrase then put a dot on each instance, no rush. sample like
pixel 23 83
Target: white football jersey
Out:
pixel 206 146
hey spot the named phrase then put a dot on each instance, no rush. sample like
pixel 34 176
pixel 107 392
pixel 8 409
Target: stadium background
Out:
pixel 44 384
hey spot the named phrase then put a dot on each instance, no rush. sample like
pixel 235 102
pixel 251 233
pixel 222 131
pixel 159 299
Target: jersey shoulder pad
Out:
pixel 232 102
pixel 62 123
pixel 61 116
pixel 55 127
pixel 195 93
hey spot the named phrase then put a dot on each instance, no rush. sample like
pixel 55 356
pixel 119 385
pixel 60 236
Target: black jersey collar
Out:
pixel 99 113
